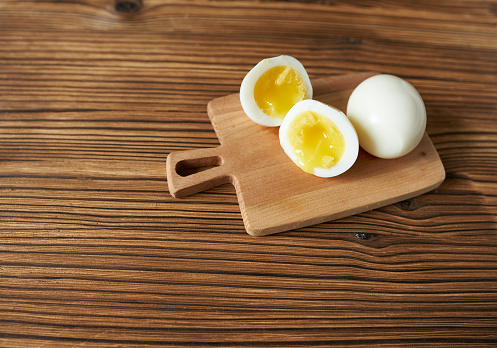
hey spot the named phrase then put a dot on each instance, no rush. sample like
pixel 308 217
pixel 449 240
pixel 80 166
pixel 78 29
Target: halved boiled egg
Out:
pixel 319 138
pixel 272 87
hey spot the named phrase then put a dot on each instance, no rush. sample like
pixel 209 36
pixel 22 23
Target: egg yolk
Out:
pixel 316 140
pixel 278 89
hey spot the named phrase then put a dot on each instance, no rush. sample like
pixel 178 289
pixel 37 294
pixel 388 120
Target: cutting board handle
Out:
pixel 192 171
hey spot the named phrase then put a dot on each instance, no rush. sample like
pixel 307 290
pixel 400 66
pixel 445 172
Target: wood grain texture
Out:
pixel 95 252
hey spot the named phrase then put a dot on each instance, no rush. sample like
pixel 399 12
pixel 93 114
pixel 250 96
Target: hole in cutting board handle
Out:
pixel 191 166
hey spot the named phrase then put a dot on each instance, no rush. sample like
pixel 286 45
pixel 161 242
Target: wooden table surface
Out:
pixel 94 94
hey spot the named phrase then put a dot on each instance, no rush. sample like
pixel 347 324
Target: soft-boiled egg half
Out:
pixel 319 138
pixel 272 88
pixel 388 114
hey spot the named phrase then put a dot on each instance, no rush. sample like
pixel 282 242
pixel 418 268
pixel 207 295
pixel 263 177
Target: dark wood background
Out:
pixel 94 251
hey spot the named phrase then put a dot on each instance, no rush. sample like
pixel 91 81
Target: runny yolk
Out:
pixel 278 89
pixel 316 141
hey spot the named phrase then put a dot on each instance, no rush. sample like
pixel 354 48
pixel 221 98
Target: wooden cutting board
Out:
pixel 273 193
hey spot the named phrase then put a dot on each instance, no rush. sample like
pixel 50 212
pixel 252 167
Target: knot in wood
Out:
pixel 407 205
pixel 128 6
pixel 363 236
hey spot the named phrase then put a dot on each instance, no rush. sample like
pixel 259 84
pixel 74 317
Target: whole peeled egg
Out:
pixel 388 114
pixel 272 87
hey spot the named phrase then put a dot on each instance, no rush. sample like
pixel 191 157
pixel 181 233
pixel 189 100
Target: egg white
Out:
pixel 341 122
pixel 247 100
pixel 388 114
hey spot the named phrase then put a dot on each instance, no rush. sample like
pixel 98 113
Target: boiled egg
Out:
pixel 272 87
pixel 388 114
pixel 319 139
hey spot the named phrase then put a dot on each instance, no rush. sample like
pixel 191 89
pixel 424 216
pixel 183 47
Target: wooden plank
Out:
pixel 95 252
